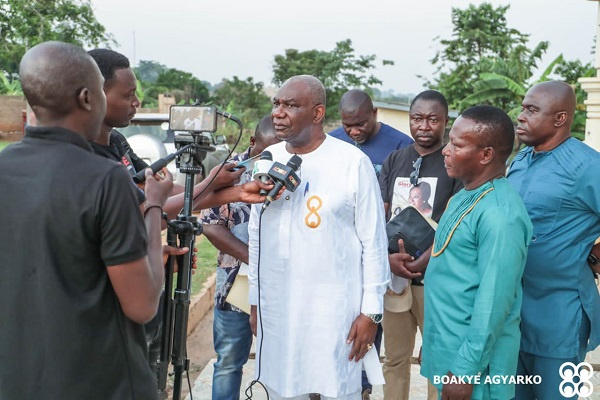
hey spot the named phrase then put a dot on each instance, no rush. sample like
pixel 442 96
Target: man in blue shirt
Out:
pixel 361 128
pixel 557 177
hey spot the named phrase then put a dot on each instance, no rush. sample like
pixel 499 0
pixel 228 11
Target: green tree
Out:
pixel 504 82
pixel 339 70
pixel 184 86
pixel 10 86
pixel 570 72
pixel 244 98
pixel 479 32
pixel 148 71
pixel 25 23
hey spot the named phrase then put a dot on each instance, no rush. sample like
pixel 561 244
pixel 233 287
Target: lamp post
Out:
pixel 592 87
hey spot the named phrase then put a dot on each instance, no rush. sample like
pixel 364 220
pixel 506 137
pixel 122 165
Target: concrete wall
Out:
pixel 11 117
pixel 395 118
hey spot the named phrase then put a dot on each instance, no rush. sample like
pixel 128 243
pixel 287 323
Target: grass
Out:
pixel 3 144
pixel 207 261
pixel 206 264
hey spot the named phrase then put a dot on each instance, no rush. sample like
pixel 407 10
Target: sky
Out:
pixel 220 39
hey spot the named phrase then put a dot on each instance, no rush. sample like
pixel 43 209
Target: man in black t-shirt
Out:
pixel 122 102
pixel 80 267
pixel 413 176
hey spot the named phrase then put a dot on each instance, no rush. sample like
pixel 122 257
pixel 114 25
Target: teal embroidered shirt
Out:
pixel 473 292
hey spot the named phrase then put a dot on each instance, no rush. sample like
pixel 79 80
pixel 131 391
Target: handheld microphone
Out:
pixel 158 165
pixel 283 175
pixel 261 169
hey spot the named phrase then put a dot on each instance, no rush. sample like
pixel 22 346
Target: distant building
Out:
pixel 396 114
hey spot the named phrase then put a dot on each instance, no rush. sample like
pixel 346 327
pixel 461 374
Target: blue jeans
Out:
pixel 232 339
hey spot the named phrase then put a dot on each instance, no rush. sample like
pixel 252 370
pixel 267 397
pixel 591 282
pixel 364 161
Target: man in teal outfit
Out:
pixel 473 291
pixel 557 177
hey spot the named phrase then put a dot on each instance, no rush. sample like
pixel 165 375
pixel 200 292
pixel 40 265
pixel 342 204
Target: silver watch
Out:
pixel 376 318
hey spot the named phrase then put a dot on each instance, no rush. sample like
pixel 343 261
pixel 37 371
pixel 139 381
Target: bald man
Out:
pixel 557 177
pixel 361 128
pixel 323 259
pixel 81 268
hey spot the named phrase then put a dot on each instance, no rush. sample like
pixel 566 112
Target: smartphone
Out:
pixel 193 118
pixel 244 163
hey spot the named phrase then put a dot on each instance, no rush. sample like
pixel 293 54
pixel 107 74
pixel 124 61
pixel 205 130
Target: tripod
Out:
pixel 181 232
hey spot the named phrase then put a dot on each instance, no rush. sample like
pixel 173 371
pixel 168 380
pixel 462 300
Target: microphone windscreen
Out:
pixel 266 155
pixel 261 168
pixel 294 162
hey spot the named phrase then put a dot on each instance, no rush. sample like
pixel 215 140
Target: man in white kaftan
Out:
pixel 321 267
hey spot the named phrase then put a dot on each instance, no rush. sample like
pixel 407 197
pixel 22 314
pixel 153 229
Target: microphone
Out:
pixel 158 165
pixel 261 169
pixel 283 175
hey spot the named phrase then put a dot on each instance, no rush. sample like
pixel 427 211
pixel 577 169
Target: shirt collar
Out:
pixel 57 133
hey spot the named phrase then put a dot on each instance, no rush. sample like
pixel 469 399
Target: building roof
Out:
pixel 390 105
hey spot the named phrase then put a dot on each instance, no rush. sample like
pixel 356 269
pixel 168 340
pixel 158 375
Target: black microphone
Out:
pixel 261 169
pixel 158 165
pixel 283 175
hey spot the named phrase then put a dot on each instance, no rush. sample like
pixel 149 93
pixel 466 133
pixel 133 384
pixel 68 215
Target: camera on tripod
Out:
pixel 189 123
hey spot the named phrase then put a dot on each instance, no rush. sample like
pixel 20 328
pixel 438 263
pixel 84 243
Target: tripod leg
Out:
pixel 181 306
pixel 166 330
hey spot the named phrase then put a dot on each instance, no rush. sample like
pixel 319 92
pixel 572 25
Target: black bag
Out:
pixel 412 227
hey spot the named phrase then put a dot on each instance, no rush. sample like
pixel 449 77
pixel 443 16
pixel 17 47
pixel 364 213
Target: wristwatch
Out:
pixel 376 318
pixel 592 259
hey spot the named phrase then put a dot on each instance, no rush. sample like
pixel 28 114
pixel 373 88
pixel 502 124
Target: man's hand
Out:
pixel 226 177
pixel 158 187
pixel 249 192
pixel 595 251
pixel 456 391
pixel 178 251
pixel 362 335
pixel 253 319
pixel 420 263
pixel 398 263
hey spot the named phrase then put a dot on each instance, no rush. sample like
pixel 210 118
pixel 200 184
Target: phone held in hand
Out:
pixel 245 163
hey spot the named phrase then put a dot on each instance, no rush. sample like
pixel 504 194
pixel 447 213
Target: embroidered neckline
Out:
pixel 460 212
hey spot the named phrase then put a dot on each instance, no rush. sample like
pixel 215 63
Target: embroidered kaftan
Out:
pixel 323 261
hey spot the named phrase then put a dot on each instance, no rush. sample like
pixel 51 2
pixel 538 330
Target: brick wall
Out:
pixel 11 117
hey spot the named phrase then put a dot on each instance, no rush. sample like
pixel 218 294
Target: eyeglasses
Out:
pixel 414 176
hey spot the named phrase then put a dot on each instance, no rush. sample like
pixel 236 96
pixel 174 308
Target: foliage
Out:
pixel 183 85
pixel 147 71
pixel 10 86
pixel 243 98
pixel 506 82
pixel 570 72
pixel 479 33
pixel 25 23
pixel 339 70
pixel 247 101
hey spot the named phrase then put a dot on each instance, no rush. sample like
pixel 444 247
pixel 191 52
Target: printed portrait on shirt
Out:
pixel 419 196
